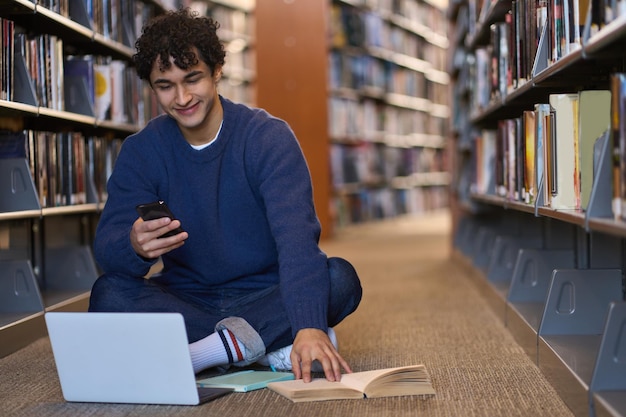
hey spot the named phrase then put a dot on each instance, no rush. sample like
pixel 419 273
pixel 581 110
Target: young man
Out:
pixel 246 273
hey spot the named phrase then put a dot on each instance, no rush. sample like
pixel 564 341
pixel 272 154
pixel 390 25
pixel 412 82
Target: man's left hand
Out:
pixel 314 344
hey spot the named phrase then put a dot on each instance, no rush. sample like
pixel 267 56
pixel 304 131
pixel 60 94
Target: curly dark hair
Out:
pixel 175 34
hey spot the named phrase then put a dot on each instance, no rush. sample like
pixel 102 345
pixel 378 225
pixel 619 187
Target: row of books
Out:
pixel 617 132
pixel 233 22
pixel 67 168
pixel 236 31
pixel 482 81
pixel 352 119
pixel 240 68
pixel 408 82
pixel 7 30
pixel 387 96
pixel 513 51
pixel 373 204
pixel 404 26
pixel 351 27
pixel 107 89
pixel 93 85
pixel 549 155
pixel 236 19
pixel 61 7
pixel 376 77
pixel 97 86
pixel 528 24
pixel 118 20
pixel 347 27
pixel 437 58
pixel 475 10
pixel 381 32
pixel 533 36
pixel 43 58
pixel 437 92
pixel 604 12
pixel 430 14
pixel 374 164
pixel 241 92
pixel 419 11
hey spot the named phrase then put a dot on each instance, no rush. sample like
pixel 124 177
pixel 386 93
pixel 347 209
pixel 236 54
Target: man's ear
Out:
pixel 217 73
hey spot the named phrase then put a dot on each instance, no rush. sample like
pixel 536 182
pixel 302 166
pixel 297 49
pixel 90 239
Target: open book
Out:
pixel 390 382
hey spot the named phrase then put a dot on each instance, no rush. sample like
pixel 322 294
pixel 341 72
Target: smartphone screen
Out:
pixel 157 210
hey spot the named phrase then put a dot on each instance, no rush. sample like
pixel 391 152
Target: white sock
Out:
pixel 219 348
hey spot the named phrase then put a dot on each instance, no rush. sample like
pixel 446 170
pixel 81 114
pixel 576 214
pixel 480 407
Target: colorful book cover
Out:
pixel 594 119
pixel 530 181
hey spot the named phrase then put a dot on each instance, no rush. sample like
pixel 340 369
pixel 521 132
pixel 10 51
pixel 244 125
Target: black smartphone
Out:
pixel 156 210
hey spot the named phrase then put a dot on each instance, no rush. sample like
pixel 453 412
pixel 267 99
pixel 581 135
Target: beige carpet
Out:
pixel 418 307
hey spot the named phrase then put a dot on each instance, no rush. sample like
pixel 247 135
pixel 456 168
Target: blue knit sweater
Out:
pixel 246 202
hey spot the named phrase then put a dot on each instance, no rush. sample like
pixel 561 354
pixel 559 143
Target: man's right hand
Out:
pixel 145 237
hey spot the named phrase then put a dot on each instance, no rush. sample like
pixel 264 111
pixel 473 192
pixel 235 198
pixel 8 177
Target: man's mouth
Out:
pixel 186 111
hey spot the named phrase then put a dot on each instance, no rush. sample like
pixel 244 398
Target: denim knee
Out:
pixel 345 289
pixel 106 293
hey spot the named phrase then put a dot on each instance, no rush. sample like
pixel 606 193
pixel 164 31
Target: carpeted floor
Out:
pixel 418 307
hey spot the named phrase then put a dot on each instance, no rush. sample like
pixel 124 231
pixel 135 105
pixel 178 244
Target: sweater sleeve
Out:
pixel 282 178
pixel 126 188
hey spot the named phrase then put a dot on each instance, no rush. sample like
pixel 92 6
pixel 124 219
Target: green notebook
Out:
pixel 244 381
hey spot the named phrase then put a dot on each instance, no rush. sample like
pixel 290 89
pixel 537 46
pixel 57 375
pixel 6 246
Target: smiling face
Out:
pixel 190 97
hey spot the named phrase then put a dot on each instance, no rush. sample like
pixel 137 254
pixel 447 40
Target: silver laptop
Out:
pixel 125 358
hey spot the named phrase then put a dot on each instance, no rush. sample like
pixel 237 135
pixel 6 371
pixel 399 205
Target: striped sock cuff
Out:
pixel 231 345
pixel 226 346
pixel 235 345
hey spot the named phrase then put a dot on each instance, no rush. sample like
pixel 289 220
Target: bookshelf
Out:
pixel 552 271
pixel 388 108
pixel 238 32
pixel 291 82
pixel 71 122
pixel 60 129
pixel 56 96
pixel 375 146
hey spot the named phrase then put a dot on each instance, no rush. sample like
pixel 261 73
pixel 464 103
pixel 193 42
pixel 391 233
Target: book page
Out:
pixel 319 389
pixel 360 380
pixel 407 380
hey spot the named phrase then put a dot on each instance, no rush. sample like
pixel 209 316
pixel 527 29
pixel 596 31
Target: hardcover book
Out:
pixel 530 179
pixel 564 154
pixel 541 112
pixel 594 119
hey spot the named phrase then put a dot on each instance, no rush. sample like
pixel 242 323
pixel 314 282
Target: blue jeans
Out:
pixel 262 310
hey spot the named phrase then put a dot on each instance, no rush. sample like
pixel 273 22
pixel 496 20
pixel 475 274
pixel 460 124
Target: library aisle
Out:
pixel 419 306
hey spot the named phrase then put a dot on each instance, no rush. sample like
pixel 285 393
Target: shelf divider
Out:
pixel 21 306
pixel 571 328
pixel 17 190
pixel 608 383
